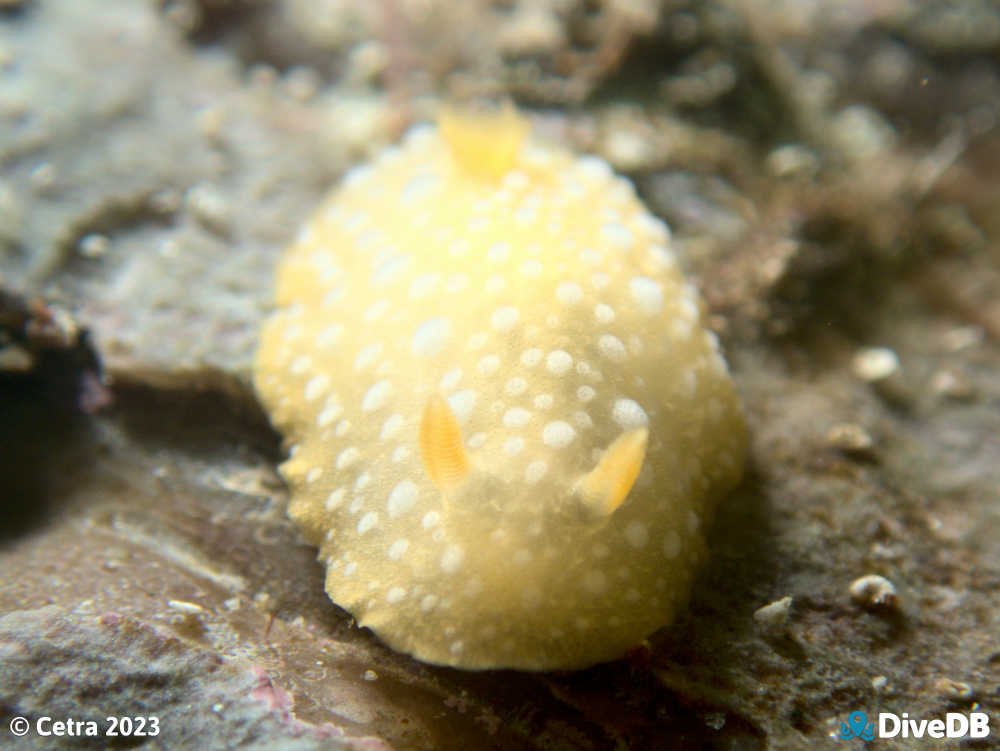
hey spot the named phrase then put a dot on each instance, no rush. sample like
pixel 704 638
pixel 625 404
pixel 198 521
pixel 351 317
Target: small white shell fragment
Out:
pixel 954 690
pixel 773 615
pixel 874 592
pixel 850 438
pixel 875 363
pixel 94 245
pixel 952 384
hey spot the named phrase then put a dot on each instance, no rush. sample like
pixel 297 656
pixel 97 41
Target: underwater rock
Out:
pixel 59 665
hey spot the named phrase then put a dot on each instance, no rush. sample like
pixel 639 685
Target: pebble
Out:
pixel 873 364
pixel 367 61
pixel 302 83
pixel 861 133
pixel 962 337
pixel 953 689
pixel 874 592
pixel 791 161
pixel 532 31
pixel 626 150
pixel 210 208
pixel 43 178
pixel 880 367
pixel 951 384
pixel 851 439
pixel 93 245
pixel 211 122
pixel 16 359
pixel 773 615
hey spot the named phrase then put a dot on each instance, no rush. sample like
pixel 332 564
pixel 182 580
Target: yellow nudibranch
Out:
pixel 507 425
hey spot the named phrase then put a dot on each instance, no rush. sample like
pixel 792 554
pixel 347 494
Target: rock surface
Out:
pixel 828 171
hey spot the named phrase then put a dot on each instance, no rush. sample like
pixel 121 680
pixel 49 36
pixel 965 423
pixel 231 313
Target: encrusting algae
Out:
pixel 507 425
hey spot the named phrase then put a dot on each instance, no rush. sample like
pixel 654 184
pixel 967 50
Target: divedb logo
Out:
pixel 892 725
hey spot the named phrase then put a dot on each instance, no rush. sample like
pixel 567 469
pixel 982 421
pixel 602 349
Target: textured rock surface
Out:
pixel 828 172
pixel 87 667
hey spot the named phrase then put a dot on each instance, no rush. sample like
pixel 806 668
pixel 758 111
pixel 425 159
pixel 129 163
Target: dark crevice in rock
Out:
pixel 49 380
pixel 43 437
pixel 214 420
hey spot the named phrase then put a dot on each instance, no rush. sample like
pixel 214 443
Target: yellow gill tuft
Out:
pixel 483 143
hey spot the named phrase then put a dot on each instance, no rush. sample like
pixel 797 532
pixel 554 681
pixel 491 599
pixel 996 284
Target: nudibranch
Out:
pixel 507 425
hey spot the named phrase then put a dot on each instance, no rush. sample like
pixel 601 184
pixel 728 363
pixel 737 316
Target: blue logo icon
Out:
pixel 857 726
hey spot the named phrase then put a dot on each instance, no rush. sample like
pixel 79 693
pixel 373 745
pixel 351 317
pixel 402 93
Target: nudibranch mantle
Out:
pixel 507 424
